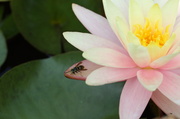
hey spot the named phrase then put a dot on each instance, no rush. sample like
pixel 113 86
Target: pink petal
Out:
pixel 80 74
pixel 108 57
pixel 150 79
pixel 163 60
pixel 176 71
pixel 165 104
pixel 95 23
pixel 170 86
pixel 85 41
pixel 134 99
pixel 172 64
pixel 107 75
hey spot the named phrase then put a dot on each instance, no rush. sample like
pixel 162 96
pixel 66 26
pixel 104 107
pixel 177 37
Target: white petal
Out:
pixel 112 13
pixel 135 14
pixel 85 41
pixel 123 6
pixel 174 63
pixel 139 54
pixel 176 42
pixel 155 14
pixel 167 46
pixel 145 5
pixel 108 57
pixel 154 51
pixel 95 23
pixel 163 60
pixel 122 31
pixel 169 12
pixel 161 2
pixel 133 39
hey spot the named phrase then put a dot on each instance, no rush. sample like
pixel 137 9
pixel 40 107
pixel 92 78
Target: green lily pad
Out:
pixel 42 22
pixel 8 27
pixel 4 0
pixel 3 49
pixel 1 11
pixel 39 90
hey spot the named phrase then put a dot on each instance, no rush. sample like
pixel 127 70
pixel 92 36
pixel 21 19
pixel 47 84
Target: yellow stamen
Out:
pixel 152 33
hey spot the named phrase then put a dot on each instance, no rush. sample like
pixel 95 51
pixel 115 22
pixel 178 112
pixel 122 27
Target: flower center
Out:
pixel 150 33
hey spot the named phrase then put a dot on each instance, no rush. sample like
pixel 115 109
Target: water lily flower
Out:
pixel 139 43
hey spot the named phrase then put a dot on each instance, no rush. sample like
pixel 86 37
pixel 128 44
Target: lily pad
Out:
pixel 39 90
pixel 8 27
pixel 3 49
pixel 42 22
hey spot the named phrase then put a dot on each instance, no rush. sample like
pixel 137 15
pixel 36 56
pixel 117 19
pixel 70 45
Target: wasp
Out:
pixel 77 68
